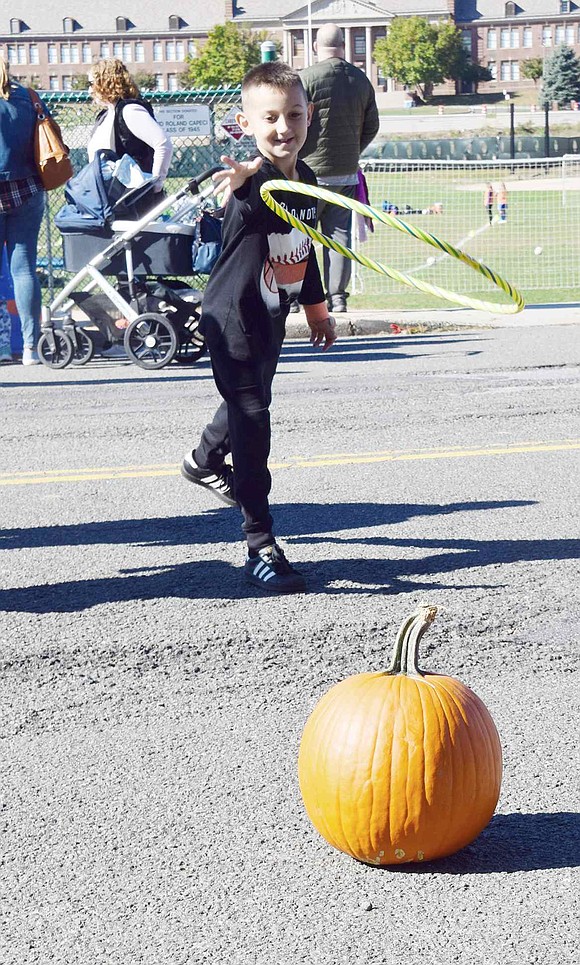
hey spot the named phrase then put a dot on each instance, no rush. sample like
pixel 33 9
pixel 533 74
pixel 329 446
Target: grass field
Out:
pixel 535 249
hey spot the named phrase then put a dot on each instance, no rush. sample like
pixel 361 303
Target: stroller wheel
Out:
pixel 55 349
pixel 191 345
pixel 83 347
pixel 151 341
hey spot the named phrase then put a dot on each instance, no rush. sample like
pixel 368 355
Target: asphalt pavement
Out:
pixel 151 703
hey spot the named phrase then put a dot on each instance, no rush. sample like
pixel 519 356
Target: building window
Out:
pixel 504 37
pixel 53 82
pixel 514 38
pixel 117 49
pixel 359 45
pixel 547 36
pixel 564 6
pixel 570 35
pixel 491 39
pixel 559 35
pixel 510 70
pixel 179 50
pixel 510 9
pixel 191 48
pixel 87 54
pixel 527 39
pixel 104 50
pixel 466 40
pixel 52 57
pixel 139 52
pixel 68 25
pixel 69 54
pixel 174 22
pixel 67 82
pixel 159 82
pixel 158 53
pixel 127 55
pixel 492 67
pixel 15 26
pixel 297 45
pixel 172 82
pixel 122 23
pixel 16 54
pixel 170 50
pixel 33 54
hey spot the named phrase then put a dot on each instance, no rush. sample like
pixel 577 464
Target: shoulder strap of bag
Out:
pixel 37 104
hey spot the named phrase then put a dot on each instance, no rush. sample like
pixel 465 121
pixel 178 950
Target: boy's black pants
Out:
pixel 241 426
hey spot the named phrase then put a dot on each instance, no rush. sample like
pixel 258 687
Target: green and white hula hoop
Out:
pixel 307 189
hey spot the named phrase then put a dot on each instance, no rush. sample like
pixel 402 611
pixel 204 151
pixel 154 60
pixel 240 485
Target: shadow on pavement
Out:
pixel 356 349
pixel 219 579
pixel 219 525
pixel 511 843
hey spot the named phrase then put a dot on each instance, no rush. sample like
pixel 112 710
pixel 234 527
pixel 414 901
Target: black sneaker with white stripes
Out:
pixel 270 570
pixel 220 483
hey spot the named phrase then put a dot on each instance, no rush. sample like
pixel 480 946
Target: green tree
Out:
pixel 80 82
pixel 228 53
pixel 420 54
pixel 474 73
pixel 561 79
pixel 144 81
pixel 532 69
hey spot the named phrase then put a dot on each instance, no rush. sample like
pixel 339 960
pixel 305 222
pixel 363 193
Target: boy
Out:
pixel 265 264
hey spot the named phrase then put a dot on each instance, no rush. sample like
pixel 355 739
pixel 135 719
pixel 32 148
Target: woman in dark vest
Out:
pixel 126 123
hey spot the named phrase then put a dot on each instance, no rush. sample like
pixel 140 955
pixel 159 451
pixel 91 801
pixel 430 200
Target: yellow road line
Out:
pixel 35 478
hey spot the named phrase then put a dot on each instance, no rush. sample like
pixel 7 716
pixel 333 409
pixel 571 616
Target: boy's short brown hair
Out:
pixel 273 73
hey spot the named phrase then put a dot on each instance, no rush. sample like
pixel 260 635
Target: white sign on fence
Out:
pixel 185 120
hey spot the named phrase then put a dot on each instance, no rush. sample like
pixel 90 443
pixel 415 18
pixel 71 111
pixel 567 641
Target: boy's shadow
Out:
pixel 216 579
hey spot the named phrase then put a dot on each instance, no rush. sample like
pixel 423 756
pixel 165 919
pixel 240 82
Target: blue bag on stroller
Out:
pixel 94 196
pixel 207 243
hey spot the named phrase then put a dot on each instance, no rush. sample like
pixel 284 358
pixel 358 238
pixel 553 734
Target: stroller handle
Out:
pixel 193 186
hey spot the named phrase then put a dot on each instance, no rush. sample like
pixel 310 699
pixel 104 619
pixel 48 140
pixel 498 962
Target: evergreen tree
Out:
pixel 561 82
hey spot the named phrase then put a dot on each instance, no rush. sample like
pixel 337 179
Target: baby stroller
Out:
pixel 152 317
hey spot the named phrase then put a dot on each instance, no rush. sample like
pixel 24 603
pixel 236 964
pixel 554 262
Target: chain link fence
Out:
pixel 192 153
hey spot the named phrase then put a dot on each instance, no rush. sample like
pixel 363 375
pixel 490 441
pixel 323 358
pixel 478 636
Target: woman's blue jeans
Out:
pixel 19 229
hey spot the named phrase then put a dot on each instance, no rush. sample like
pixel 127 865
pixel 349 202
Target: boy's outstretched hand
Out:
pixel 323 333
pixel 232 177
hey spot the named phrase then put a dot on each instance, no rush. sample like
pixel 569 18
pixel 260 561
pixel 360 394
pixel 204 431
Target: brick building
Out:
pixel 52 41
pixel 55 40
pixel 500 34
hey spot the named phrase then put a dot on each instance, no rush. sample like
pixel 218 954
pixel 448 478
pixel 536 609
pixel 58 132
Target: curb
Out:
pixel 372 322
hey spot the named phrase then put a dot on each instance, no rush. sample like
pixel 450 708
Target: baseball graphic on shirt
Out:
pixel 286 266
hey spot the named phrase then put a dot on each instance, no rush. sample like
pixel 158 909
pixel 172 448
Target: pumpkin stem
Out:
pixel 406 649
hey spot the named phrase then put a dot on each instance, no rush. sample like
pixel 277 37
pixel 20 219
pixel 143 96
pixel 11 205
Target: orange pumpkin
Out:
pixel 400 765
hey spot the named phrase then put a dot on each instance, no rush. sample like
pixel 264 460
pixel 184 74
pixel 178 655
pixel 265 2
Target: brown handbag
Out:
pixel 50 152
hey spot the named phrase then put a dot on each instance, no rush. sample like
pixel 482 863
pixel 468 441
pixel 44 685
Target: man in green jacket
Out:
pixel 345 121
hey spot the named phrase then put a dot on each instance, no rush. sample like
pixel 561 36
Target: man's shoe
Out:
pixel 295 307
pixel 30 356
pixel 270 570
pixel 338 304
pixel 221 483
